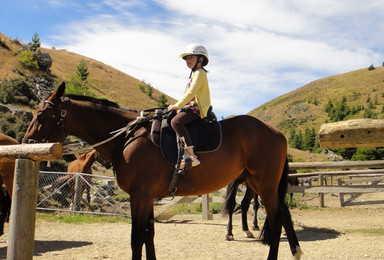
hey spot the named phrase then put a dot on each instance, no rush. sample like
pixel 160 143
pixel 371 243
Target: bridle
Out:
pixel 60 123
pixel 128 129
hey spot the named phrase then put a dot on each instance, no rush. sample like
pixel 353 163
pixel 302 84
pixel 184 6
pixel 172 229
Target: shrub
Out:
pixel 28 60
pixel 17 91
pixel 294 203
pixel 14 126
pixel 371 67
pixel 146 88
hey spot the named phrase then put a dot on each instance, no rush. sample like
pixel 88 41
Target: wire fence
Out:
pixel 81 193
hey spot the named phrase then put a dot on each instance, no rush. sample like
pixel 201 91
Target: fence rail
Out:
pixel 361 171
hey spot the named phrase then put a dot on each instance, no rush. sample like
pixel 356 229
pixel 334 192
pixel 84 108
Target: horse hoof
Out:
pixel 298 254
pixel 256 228
pixel 248 234
pixel 230 238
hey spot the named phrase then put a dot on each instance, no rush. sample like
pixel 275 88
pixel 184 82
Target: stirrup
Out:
pixel 195 162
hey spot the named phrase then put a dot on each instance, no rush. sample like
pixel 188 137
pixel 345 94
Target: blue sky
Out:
pixel 259 49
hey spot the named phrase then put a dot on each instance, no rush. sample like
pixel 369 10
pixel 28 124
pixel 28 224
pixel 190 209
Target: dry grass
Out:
pixel 298 105
pixel 106 81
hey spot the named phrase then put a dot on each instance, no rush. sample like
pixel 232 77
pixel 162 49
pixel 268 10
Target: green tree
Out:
pixel 35 41
pixel 309 139
pixel 78 84
pixel 82 70
pixel 368 153
pixel 162 101
pixel 149 90
pixel 329 106
pixel 146 88
pixel 295 139
pixel 338 112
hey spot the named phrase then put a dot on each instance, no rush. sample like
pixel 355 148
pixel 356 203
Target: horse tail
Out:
pixel 283 185
pixel 266 234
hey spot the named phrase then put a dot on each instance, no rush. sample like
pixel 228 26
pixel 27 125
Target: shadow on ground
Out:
pixel 42 247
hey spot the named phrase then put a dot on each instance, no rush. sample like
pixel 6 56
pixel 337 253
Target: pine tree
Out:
pixel 82 70
pixel 35 42
pixel 162 102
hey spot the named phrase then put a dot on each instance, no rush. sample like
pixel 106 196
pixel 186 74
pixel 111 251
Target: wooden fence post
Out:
pixel 24 197
pixel 321 195
pixel 23 210
pixel 207 215
pixel 77 195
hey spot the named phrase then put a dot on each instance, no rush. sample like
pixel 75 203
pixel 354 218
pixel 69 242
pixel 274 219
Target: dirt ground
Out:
pixel 327 233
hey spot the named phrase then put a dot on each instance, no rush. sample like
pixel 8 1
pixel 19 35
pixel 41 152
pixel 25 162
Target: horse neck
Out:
pixel 86 161
pixel 109 119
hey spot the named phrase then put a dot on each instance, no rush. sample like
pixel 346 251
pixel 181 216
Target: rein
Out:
pixel 143 118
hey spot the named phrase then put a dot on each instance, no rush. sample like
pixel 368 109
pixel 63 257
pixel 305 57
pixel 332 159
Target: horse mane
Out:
pixel 99 101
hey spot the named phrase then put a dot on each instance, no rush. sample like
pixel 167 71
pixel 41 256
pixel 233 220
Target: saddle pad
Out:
pixel 205 138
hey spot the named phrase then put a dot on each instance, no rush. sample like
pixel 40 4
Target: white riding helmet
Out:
pixel 195 49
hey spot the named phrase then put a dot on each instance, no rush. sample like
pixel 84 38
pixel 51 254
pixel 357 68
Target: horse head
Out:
pixel 48 123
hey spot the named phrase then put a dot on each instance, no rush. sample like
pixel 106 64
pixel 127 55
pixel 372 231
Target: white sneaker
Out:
pixel 195 162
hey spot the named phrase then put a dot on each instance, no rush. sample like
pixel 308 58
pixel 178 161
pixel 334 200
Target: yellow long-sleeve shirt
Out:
pixel 198 89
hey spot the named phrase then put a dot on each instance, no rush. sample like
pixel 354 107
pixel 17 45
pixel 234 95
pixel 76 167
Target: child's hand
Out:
pixel 172 107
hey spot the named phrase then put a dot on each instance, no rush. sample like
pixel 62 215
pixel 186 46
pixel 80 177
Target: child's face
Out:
pixel 191 61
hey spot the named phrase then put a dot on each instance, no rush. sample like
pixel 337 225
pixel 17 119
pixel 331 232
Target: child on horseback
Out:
pixel 196 100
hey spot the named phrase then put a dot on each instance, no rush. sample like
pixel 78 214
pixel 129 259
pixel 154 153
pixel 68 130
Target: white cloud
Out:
pixel 258 49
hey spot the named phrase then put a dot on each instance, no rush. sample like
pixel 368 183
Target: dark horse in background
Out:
pixel 143 173
pixel 7 170
pixel 230 204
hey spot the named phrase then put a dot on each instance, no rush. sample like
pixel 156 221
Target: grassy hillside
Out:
pixel 305 106
pixel 106 81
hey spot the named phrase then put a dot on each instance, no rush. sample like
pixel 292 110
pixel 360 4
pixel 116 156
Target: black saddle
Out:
pixel 206 137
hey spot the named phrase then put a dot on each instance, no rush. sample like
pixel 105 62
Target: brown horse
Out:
pixel 143 173
pixel 82 164
pixel 7 170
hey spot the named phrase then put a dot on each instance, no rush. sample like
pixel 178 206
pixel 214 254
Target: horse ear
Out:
pixel 60 91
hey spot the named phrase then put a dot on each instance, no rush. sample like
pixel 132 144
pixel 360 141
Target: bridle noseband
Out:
pixel 60 123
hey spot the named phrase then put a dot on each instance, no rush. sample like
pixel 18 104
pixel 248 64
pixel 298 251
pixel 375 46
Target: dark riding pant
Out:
pixel 178 122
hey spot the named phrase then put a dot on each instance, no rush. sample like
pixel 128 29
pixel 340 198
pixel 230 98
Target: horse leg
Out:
pixel 229 206
pixel 256 206
pixel 249 194
pixel 142 228
pixel 2 207
pixel 277 213
pixel 291 234
pixel 271 232
pixel 149 243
